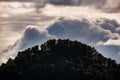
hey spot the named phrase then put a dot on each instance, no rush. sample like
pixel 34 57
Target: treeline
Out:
pixel 60 60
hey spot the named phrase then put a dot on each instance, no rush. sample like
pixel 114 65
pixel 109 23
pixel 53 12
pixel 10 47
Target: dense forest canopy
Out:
pixel 60 60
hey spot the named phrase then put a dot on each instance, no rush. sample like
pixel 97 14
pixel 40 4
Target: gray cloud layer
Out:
pixel 105 5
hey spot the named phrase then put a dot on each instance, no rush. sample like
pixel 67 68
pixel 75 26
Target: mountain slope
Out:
pixel 60 60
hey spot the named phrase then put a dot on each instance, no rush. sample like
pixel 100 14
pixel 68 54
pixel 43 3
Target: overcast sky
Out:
pixel 94 22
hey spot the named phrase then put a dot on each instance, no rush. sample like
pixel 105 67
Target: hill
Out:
pixel 60 60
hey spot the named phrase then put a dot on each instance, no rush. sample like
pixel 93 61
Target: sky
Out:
pixel 26 23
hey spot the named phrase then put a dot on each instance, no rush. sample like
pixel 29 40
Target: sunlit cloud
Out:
pixel 12 8
pixel 115 42
pixel 30 36
pixel 100 18
pixel 77 12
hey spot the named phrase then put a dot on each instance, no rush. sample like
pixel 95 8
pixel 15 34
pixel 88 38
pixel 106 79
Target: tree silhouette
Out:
pixel 60 60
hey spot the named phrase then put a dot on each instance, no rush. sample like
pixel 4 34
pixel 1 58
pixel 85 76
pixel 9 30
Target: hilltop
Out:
pixel 60 60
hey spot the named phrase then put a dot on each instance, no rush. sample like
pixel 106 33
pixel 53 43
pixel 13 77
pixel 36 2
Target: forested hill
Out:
pixel 60 60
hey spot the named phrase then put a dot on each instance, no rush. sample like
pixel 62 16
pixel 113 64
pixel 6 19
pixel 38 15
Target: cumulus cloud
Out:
pixel 92 29
pixel 96 32
pixel 93 33
pixel 78 29
pixel 31 36
pixel 108 24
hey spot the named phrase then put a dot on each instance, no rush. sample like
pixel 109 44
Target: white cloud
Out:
pixel 83 22
pixel 77 12
pixel 90 32
pixel 114 42
pixel 31 36
pixel 82 28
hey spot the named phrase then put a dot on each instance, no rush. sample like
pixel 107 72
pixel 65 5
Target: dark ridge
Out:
pixel 60 60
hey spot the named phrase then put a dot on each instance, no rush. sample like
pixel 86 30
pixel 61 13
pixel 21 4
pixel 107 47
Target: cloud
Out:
pixel 104 5
pixel 86 21
pixel 108 24
pixel 13 8
pixel 31 36
pixel 110 42
pixel 91 32
pixel 112 6
pixel 78 29
pixel 12 24
pixel 94 33
pixel 88 31
pixel 77 12
pixel 14 16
